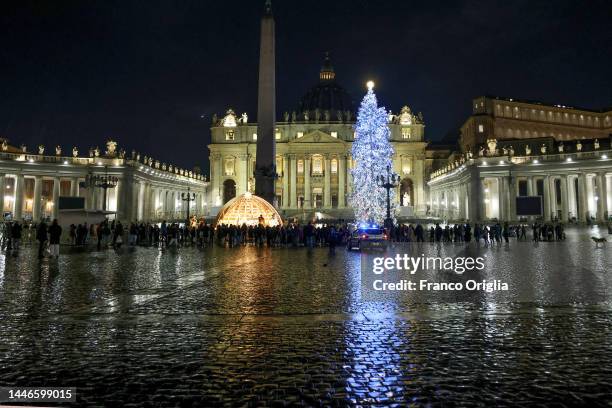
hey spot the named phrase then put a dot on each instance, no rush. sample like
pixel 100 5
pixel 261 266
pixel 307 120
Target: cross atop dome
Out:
pixel 327 70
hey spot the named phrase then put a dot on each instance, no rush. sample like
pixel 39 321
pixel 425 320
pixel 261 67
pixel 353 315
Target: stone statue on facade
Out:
pixel 244 119
pixel 122 154
pixel 215 120
pixel 511 150
pixel 58 150
pixel 41 149
pixel 97 151
pixel 317 114
pixel 111 147
pixel 4 145
pixel 339 116
pixel 286 116
pixel 348 116
pixel 24 148
pixel 543 148
pixel 293 116
pixel 481 151
pixel 306 116
pixel 326 115
pixel 596 144
pixel 75 151
pixel 492 145
pixel 560 147
pixel 578 146
pixel 527 150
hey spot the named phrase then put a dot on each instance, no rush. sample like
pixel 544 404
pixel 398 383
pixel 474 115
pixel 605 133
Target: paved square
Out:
pixel 263 327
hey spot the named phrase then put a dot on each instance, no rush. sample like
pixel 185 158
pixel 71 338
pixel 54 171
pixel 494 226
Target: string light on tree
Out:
pixel 372 153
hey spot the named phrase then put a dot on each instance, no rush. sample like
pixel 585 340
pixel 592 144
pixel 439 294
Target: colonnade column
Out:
pixel 502 185
pixel 327 183
pixel 530 186
pixel 36 202
pixel 293 183
pixel 341 181
pixel 482 212
pixel 307 191
pixel 2 190
pixel 286 181
pixel 546 200
pixel 571 197
pixel 56 195
pixel 582 199
pixel 553 197
pixel 18 201
pixel 602 197
pixel 74 187
pixel 564 199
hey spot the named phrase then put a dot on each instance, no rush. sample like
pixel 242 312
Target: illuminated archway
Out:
pixel 250 210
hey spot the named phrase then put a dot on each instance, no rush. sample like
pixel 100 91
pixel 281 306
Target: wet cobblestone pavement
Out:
pixel 261 327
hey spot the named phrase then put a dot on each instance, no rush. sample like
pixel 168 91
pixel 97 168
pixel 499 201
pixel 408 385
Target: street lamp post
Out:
pixel 104 182
pixel 188 197
pixel 391 180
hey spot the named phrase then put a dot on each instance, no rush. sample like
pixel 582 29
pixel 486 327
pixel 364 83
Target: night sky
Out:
pixel 150 74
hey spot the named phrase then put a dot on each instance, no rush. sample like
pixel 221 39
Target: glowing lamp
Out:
pixel 370 85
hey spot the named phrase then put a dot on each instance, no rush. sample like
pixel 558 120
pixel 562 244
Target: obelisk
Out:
pixel 265 162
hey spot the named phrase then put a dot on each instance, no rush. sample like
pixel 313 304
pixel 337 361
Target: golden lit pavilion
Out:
pixel 250 210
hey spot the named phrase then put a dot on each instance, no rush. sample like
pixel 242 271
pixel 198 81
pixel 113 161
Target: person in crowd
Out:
pixel 42 237
pixel 55 232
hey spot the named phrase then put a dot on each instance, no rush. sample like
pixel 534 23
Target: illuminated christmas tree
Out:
pixel 372 153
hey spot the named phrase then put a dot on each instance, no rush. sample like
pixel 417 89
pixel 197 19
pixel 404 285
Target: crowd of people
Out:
pixel 113 234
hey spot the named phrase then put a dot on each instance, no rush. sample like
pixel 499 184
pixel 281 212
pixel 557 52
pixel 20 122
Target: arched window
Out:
pixel 334 166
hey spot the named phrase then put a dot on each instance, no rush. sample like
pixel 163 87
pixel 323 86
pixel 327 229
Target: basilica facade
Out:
pixel 313 154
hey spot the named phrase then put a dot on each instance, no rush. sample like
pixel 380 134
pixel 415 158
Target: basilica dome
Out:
pixel 248 209
pixel 327 96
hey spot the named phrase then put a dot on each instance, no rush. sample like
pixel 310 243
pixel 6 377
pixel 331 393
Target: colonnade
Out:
pixel 131 200
pixel 578 195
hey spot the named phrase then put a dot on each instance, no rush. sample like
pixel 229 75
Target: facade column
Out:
pixel 327 183
pixel 546 200
pixel 36 201
pixel 286 176
pixel 74 187
pixel 2 191
pixel 602 197
pixel 18 199
pixel 243 176
pixel 307 190
pixel 341 181
pixel 530 186
pixel 293 183
pixel 349 175
pixel 582 199
pixel 56 195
